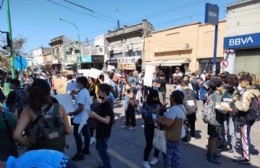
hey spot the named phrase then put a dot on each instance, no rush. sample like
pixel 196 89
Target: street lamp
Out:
pixel 79 59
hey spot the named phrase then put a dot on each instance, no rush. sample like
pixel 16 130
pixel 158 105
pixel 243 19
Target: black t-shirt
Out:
pixel 162 82
pixel 10 101
pixel 104 130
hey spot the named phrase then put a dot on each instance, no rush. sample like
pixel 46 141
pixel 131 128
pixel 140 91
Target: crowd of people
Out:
pixel 33 118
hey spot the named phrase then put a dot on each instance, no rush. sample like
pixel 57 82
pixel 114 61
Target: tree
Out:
pixel 18 47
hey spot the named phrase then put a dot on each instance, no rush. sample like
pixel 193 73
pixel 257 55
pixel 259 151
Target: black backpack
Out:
pixel 21 97
pixel 253 113
pixel 49 131
pixel 189 102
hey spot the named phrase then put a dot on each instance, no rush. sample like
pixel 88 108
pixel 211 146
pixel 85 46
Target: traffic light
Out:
pixel 8 40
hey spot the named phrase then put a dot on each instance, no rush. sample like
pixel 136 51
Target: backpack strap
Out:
pixel 41 114
pixel 7 124
pixel 56 109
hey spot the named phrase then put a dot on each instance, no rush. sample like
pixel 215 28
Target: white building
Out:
pixel 242 41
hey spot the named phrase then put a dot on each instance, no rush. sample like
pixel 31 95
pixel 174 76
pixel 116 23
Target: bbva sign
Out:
pixel 240 41
pixel 244 41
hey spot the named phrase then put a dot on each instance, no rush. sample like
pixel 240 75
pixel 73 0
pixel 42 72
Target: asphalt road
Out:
pixel 126 147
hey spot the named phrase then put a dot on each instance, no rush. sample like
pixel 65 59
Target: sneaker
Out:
pixel 77 157
pixel 231 151
pixel 212 158
pixel 154 161
pixel 86 152
pixel 222 148
pixel 123 126
pixel 131 128
pixel 146 164
pixel 92 141
pixel 217 155
pixel 242 160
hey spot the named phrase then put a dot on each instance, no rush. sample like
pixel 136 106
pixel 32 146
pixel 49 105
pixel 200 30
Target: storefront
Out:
pixel 247 52
pixel 92 61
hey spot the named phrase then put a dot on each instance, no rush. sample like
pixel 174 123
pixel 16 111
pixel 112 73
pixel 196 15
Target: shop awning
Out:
pixel 155 63
pixel 178 62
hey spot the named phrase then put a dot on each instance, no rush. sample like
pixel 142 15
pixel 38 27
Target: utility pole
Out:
pixel 11 38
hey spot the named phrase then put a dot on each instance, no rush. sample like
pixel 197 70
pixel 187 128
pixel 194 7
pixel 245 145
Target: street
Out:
pixel 126 147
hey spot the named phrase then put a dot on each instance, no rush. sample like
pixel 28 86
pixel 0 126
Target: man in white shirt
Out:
pixel 81 115
pixel 71 85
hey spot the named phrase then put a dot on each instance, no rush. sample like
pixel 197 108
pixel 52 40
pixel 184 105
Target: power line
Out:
pixel 78 11
pixel 79 5
pixel 88 9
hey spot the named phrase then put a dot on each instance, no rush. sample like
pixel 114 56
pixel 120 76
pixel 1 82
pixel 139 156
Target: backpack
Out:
pixel 21 97
pixel 114 91
pixel 208 112
pixel 49 131
pixel 189 102
pixel 253 113
pixel 254 110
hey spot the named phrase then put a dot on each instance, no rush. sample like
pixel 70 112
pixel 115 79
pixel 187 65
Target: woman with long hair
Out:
pixel 150 110
pixel 38 102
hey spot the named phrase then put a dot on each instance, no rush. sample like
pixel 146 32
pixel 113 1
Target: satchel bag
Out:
pixel 173 133
pixel 159 140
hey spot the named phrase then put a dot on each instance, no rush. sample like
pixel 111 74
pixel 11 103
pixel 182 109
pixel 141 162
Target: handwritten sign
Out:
pixel 66 101
pixel 148 77
pixel 127 63
pixel 60 85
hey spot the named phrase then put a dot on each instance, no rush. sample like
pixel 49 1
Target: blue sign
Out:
pixel 243 41
pixel 211 14
pixel 20 63
pixel 86 58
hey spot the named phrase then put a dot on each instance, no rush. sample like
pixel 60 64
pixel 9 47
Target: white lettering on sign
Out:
pixel 239 41
pixel 212 14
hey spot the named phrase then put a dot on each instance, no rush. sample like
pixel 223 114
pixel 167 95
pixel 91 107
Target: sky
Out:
pixel 37 20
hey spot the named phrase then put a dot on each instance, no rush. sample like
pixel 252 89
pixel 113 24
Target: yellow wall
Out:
pixel 194 41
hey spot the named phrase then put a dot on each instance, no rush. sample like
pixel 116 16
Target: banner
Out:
pixel 148 76
pixel 60 84
pixel 127 63
pixel 66 101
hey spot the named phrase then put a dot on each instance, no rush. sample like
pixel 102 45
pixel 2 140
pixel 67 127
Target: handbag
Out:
pixel 159 140
pixel 173 133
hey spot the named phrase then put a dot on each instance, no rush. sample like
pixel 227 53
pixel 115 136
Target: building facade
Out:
pixel 127 42
pixel 93 55
pixel 188 46
pixel 41 56
pixel 242 39
pixel 64 53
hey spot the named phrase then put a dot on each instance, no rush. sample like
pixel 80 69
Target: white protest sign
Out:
pixel 66 101
pixel 110 68
pixel 85 72
pixel 148 77
pixel 94 73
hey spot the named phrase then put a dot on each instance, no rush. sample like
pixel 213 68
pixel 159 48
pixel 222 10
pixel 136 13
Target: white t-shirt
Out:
pixel 177 111
pixel 71 85
pixel 84 98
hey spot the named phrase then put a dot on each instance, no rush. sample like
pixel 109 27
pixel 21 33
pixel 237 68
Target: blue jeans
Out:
pixel 85 132
pixel 101 145
pixel 172 156
pixel 229 131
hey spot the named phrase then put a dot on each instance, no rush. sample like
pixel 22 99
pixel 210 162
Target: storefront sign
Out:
pixel 127 63
pixel 86 58
pixel 211 14
pixel 244 41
